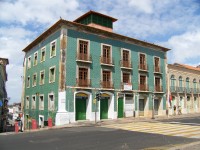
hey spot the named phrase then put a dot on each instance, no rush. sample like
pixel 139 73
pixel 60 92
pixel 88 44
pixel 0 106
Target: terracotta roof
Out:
pixel 62 22
pixel 94 12
pixel 187 66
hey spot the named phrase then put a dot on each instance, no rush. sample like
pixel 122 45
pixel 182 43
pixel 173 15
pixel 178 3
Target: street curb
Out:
pixel 179 147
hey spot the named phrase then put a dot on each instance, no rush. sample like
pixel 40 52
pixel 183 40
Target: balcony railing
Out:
pixel 126 86
pixel 83 82
pixel 181 89
pixel 105 60
pixel 126 64
pixel 173 89
pixel 188 90
pixel 83 57
pixel 157 69
pixel 158 88
pixel 143 87
pixel 107 84
pixel 143 67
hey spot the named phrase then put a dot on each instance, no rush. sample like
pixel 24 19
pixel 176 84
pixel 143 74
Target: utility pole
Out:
pixel 97 98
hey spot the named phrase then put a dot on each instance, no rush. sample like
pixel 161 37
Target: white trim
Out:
pixel 102 44
pixel 33 80
pixel 40 77
pixel 51 48
pixel 40 108
pixel 124 49
pixel 28 81
pixel 29 62
pixel 88 105
pixel 27 106
pixel 53 101
pixel 77 70
pixel 34 60
pixel 34 102
pixel 43 49
pixel 41 124
pixel 79 39
pixel 54 74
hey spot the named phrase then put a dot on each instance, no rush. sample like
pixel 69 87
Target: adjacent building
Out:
pixel 69 63
pixel 184 87
pixel 3 94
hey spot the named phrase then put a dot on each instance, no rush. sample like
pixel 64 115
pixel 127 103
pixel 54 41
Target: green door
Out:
pixel 120 108
pixel 80 109
pixel 104 108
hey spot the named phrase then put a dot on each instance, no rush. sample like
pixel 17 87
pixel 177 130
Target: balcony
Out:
pixel 181 89
pixel 126 64
pixel 157 69
pixel 195 90
pixel 83 82
pixel 126 86
pixel 107 84
pixel 188 90
pixel 106 61
pixel 143 87
pixel 158 88
pixel 173 89
pixel 83 58
pixel 143 67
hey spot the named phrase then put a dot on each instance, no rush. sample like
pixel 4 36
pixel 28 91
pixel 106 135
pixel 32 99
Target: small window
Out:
pixel 29 62
pixel 41 77
pixel 52 75
pixel 53 49
pixel 35 59
pixel 27 102
pixel 41 102
pixel 34 79
pixel 28 82
pixel 51 102
pixel 43 53
pixel 33 102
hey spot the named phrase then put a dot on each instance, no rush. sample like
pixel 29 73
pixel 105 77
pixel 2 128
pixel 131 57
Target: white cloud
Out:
pixel 185 47
pixel 142 5
pixel 37 11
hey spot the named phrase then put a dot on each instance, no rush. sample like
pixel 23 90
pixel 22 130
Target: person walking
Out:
pixel 174 110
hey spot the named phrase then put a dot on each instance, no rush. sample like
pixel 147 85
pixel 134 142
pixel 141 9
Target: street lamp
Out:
pixel 153 106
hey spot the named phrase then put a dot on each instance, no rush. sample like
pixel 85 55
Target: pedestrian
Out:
pixel 174 110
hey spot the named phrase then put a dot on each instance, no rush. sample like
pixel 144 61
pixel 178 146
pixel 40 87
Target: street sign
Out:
pixel 1 104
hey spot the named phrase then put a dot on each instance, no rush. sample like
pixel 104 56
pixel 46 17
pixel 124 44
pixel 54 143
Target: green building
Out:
pixel 3 94
pixel 69 63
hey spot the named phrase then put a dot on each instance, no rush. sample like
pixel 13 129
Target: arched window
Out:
pixel 194 83
pixel 172 78
pixel 187 82
pixel 180 81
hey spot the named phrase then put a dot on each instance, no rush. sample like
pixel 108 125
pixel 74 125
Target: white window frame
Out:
pixel 111 80
pixel 77 71
pixel 50 108
pixel 102 44
pixel 40 77
pixel 28 82
pixel 35 54
pixel 129 76
pixel 145 57
pixel 27 102
pixel 51 49
pixel 142 74
pixel 40 102
pixel 79 39
pixel 54 74
pixel 124 49
pixel 43 50
pixel 33 80
pixel 29 62
pixel 32 102
pixel 155 80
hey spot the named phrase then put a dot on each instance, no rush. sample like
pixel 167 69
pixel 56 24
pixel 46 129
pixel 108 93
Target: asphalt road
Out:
pixel 87 138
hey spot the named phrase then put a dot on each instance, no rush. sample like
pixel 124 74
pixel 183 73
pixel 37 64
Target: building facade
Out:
pixel 3 94
pixel 184 85
pixel 69 63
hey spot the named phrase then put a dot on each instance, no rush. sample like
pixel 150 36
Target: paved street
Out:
pixel 117 136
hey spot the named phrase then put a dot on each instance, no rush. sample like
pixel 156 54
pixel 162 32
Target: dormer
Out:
pixel 97 20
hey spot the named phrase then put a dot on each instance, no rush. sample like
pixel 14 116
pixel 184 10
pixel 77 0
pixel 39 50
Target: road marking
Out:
pixel 189 131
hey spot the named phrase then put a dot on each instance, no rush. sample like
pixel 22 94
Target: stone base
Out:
pixel 62 118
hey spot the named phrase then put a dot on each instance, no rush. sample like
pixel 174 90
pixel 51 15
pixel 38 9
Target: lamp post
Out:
pixel 153 106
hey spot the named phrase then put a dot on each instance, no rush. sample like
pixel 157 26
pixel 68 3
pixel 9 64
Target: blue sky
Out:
pixel 174 24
